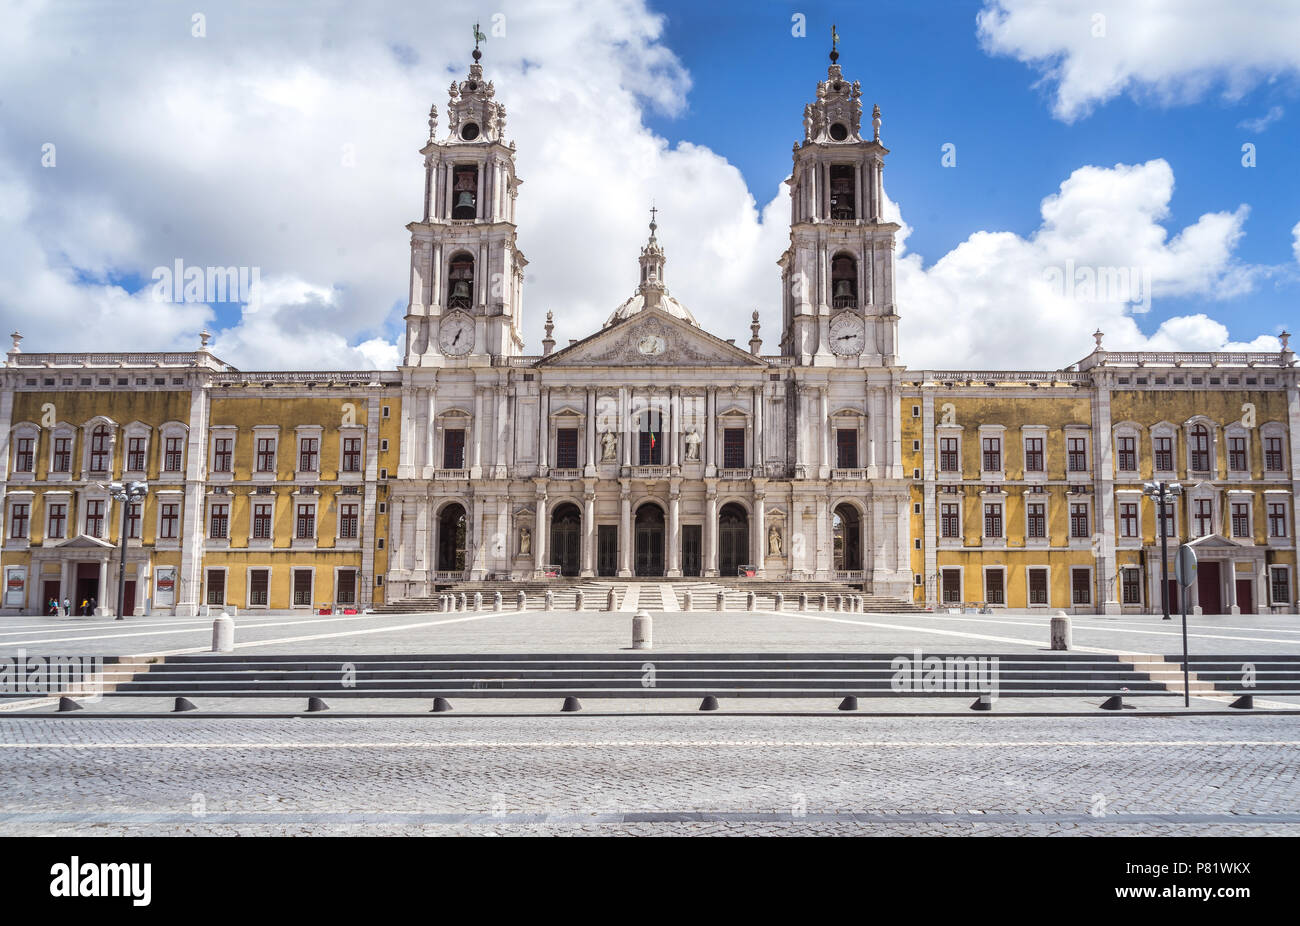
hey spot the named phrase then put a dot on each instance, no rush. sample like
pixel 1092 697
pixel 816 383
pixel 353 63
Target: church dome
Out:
pixel 651 292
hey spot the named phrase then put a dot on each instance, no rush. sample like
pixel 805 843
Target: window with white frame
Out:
pixel 1081 585
pixel 950 454
pixel 263 513
pixel 1202 517
pixel 137 452
pixel 1239 515
pixel 25 454
pixel 56 518
pixel 99 456
pixel 19 519
pixel 173 453
pixel 95 517
pixel 991 453
pixel 169 520
pixel 1128 519
pixel 61 452
pixel 949 519
pixel 1036 518
pixel 265 453
pixel 1238 453
pixel 219 520
pixel 305 522
pixel 1131 585
pixel 1038 585
pixel 349 520
pixel 995 586
pixel 134 512
pixel 1035 460
pixel 308 454
pixel 1162 451
pixel 993 519
pixel 1274 457
pixel 216 586
pixel 1079 520
pixel 1279 585
pixel 1170 519
pixel 1200 448
pixel 223 451
pixel 350 456
pixel 1076 453
pixel 1277 518
pixel 1126 453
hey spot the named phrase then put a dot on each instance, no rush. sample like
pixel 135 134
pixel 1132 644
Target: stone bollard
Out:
pixel 803 601
pixel 478 601
pixel 223 634
pixel 1060 635
pixel 839 603
pixel 521 600
pixel 611 601
pixel 778 602
pixel 686 601
pixel 464 601
pixel 550 600
pixel 578 599
pixel 722 601
pixel 826 602
pixel 859 603
pixel 751 601
pixel 496 600
pixel 642 630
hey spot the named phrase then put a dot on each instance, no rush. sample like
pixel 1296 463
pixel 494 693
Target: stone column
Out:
pixel 502 423
pixel 430 461
pixel 543 427
pixel 674 529
pixel 710 431
pixel 625 531
pixel 476 450
pixel 758 464
pixel 711 527
pixel 540 531
pixel 759 540
pixel 102 607
pixel 1233 606
pixel 823 426
pixel 591 432
pixel 674 427
pixel 589 531
pixel 625 401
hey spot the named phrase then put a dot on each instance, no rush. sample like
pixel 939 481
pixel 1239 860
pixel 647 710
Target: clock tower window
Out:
pixel 844 282
pixel 460 282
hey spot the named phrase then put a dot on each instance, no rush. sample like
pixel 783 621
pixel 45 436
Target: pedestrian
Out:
pixel 67 608
pixel 92 606
pixel 82 609
pixel 51 607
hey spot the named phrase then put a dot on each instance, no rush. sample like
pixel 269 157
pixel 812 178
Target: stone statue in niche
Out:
pixel 692 446
pixel 774 541
pixel 608 447
pixel 525 541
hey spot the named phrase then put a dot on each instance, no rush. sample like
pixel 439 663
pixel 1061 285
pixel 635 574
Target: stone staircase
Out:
pixel 694 675
pixel 656 594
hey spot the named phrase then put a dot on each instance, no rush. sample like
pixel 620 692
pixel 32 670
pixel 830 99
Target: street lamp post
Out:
pixel 1161 491
pixel 126 494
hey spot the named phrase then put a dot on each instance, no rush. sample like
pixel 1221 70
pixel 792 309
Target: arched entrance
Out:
pixel 566 539
pixel 451 539
pixel 649 540
pixel 846 534
pixel 733 539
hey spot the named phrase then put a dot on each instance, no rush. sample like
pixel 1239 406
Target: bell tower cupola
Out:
pixel 838 297
pixel 466 292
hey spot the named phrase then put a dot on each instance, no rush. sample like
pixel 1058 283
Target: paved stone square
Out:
pixel 653 775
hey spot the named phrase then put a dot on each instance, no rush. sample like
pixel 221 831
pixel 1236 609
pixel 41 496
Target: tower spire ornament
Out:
pixel 835 45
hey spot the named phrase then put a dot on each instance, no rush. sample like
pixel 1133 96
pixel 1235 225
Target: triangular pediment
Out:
pixel 1213 541
pixel 652 338
pixel 84 542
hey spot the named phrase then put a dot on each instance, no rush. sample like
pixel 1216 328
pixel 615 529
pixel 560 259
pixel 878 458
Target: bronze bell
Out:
pixel 465 200
pixel 843 288
pixel 460 290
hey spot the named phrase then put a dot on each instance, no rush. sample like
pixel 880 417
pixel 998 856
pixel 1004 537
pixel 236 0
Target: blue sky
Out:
pixel 285 138
pixel 936 85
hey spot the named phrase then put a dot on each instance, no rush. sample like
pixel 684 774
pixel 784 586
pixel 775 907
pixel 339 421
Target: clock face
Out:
pixel 456 334
pixel 848 335
pixel 652 345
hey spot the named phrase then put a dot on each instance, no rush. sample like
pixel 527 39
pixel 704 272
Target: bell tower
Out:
pixel 467 273
pixel 838 272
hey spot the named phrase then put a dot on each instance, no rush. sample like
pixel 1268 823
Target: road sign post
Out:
pixel 1185 572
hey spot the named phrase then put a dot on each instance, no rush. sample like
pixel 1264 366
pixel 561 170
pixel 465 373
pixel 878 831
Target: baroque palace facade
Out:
pixel 651 447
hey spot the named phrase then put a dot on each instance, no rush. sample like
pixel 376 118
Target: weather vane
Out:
pixel 835 43
pixel 478 37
